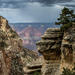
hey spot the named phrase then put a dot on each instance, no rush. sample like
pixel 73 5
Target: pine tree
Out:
pixel 66 18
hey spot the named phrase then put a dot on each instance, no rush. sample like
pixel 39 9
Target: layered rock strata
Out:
pixel 68 48
pixel 50 48
pixel 32 69
pixel 58 50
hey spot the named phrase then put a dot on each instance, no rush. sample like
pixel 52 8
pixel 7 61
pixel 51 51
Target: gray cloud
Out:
pixel 69 4
pixel 33 10
pixel 13 3
pixel 48 2
pixel 23 3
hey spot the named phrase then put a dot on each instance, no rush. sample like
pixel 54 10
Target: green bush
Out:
pixel 66 18
pixel 36 73
pixel 65 27
pixel 68 71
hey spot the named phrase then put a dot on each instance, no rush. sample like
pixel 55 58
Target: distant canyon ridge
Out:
pixel 31 32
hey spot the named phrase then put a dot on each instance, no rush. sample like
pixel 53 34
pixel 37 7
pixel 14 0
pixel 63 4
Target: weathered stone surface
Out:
pixel 51 69
pixel 14 55
pixel 31 69
pixel 67 46
pixel 58 50
pixel 34 68
pixel 50 48
pixel 3 69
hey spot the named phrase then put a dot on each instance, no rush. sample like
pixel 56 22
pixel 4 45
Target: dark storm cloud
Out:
pixel 33 10
pixel 12 4
pixel 67 5
pixel 23 3
pixel 48 2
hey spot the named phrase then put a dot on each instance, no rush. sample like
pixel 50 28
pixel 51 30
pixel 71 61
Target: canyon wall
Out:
pixel 13 56
pixel 58 50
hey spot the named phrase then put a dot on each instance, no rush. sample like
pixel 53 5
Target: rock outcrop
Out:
pixel 50 48
pixel 13 57
pixel 34 68
pixel 58 50
pixel 68 48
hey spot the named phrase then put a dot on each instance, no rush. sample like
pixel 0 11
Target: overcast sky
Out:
pixel 33 10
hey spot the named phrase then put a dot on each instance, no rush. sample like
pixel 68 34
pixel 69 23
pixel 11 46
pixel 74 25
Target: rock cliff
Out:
pixel 58 50
pixel 50 47
pixel 13 57
pixel 68 48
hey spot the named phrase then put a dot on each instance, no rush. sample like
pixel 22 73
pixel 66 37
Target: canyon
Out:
pixel 57 51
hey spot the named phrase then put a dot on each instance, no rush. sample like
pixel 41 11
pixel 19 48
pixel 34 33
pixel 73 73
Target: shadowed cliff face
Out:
pixel 13 55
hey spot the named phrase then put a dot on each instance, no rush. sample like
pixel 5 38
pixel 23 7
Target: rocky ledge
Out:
pixel 58 50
